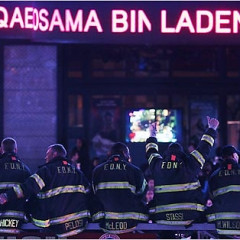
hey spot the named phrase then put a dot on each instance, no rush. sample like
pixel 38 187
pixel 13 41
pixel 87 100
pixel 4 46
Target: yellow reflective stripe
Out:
pixel 41 223
pixel 175 222
pixel 228 232
pixel 199 157
pixel 176 187
pixel 126 215
pixel 143 187
pixel 62 219
pixel 151 145
pixel 153 155
pixel 7 185
pixel 60 190
pixel 115 185
pixel 178 206
pixel 223 215
pixel 119 231
pixel 209 139
pixel 98 216
pixel 38 180
pixel 18 190
pixel 227 189
pixel 71 233
pixel 9 230
pixel 13 214
pixel 69 217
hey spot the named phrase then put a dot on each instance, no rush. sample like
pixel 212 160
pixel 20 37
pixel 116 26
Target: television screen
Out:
pixel 169 124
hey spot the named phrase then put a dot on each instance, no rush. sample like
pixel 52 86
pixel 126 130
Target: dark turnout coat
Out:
pixel 177 194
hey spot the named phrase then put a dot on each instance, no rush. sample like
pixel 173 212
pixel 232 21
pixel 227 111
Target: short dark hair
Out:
pixel 59 149
pixel 8 144
pixel 120 149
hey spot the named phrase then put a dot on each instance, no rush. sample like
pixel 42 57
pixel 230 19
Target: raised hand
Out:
pixel 212 123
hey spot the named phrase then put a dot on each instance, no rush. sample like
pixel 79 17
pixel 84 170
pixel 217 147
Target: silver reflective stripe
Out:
pixel 69 234
pixel 69 217
pixel 151 145
pixel 153 155
pixel 60 190
pixel 223 190
pixel 143 187
pixel 223 215
pixel 13 214
pixel 199 157
pixel 98 216
pixel 208 139
pixel 177 187
pixel 126 215
pixel 179 206
pixel 18 190
pixel 7 185
pixel 38 180
pixel 115 185
pixel 9 230
pixel 174 222
pixel 228 232
pixel 62 219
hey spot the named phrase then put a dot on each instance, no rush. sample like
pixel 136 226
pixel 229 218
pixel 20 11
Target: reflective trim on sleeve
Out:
pixel 227 189
pixel 13 214
pixel 151 145
pixel 61 190
pixel 199 157
pixel 177 187
pixel 41 223
pixel 228 232
pixel 178 207
pixel 174 222
pixel 7 185
pixel 223 216
pixel 209 139
pixel 71 233
pixel 115 185
pixel 126 215
pixel 98 215
pixel 18 190
pixel 153 155
pixel 38 180
pixel 143 187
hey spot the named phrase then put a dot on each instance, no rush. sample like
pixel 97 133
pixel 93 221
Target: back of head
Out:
pixel 120 149
pixel 228 151
pixel 9 145
pixel 175 151
pixel 59 149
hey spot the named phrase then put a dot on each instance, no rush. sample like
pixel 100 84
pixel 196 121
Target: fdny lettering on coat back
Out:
pixel 13 165
pixel 115 166
pixel 66 169
pixel 10 223
pixel 169 165
pixel 232 172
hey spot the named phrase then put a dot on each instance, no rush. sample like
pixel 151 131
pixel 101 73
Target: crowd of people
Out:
pixel 178 188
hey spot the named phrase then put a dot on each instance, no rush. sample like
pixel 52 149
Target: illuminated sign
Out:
pixel 155 22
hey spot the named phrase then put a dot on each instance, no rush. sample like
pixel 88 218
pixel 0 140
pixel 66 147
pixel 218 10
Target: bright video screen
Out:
pixel 169 124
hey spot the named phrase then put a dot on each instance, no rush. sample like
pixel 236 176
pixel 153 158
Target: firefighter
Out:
pixel 12 172
pixel 177 193
pixel 225 188
pixel 59 193
pixel 119 187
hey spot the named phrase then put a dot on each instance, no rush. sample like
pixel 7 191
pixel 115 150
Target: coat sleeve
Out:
pixel 201 153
